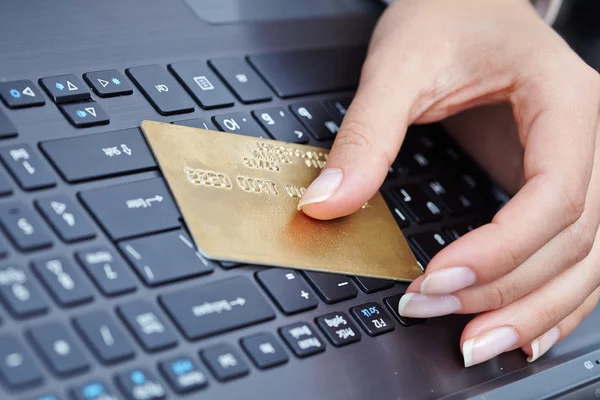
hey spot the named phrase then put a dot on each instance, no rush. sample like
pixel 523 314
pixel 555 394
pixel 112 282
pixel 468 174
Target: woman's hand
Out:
pixel 534 271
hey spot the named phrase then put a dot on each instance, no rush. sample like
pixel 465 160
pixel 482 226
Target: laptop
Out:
pixel 103 294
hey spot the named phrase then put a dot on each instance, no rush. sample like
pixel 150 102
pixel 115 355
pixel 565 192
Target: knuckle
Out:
pixel 582 236
pixel 499 295
pixel 544 317
pixel 574 204
pixel 358 137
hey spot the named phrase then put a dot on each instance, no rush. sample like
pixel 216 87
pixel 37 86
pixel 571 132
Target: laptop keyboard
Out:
pixel 158 293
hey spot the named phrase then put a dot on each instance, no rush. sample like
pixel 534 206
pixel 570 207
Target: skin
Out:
pixel 526 107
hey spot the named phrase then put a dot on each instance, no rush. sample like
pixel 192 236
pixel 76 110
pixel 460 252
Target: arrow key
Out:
pixel 66 217
pixel 65 88
pixel 108 83
pixel 82 115
pixel 19 94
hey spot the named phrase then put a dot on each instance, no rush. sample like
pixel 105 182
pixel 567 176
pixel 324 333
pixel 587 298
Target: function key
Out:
pixel 148 327
pixel 27 167
pixel 100 155
pixel 183 374
pixel 22 93
pixel 372 285
pixel 414 200
pixel 196 123
pixel 63 281
pixel 106 339
pixel 107 270
pixel 56 346
pixel 216 307
pixel 429 243
pixel 392 303
pixel 19 294
pixel 242 79
pixel 161 90
pixel 140 384
pixel 24 227
pixel 288 289
pixel 316 119
pixel 204 86
pixel 372 318
pixel 338 107
pixel 165 257
pixel 66 217
pixel 264 350
pixel 281 125
pixel 83 115
pixel 239 122
pixel 7 128
pixel 65 88
pixel 108 83
pixel 332 288
pixel 338 328
pixel 17 367
pixel 225 362
pixel 302 339
pixel 94 390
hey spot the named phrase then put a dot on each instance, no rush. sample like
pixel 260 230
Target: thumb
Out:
pixel 364 148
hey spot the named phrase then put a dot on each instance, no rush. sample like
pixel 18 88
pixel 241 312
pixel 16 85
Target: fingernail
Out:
pixel 489 345
pixel 415 305
pixel 322 188
pixel 447 280
pixel 542 344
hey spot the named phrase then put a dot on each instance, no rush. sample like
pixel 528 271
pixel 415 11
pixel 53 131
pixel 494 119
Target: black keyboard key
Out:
pixel 109 83
pixel 264 350
pixel 107 270
pixel 302 339
pixel 225 362
pixel 239 122
pixel 413 160
pixel 281 125
pixel 5 186
pixel 66 217
pixel 27 167
pixel 416 202
pixel 453 198
pixel 208 309
pixel 197 123
pixel 429 243
pixel 100 155
pixel 457 231
pixel 392 304
pixel 183 374
pixel 338 328
pixel 83 115
pixel 7 128
pixel 133 209
pixel 22 93
pixel 147 325
pixel 288 290
pixel 165 257
pixel 17 368
pixel 19 294
pixel 373 319
pixel 103 336
pixel 316 119
pixel 242 79
pixel 65 89
pixel 332 288
pixel 94 390
pixel 372 285
pixel 398 214
pixel 25 228
pixel 56 347
pixel 338 108
pixel 298 73
pixel 204 86
pixel 64 283
pixel 140 384
pixel 161 90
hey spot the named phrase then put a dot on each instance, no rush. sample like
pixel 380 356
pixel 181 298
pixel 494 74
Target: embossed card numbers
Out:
pixel 238 196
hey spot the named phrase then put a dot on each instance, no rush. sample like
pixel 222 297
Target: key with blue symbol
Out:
pixel 82 115
pixel 109 83
pixel 95 390
pixel 65 88
pixel 140 384
pixel 183 374
pixel 21 93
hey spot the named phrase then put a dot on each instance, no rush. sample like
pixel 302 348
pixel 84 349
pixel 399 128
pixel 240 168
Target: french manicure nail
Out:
pixel 416 305
pixel 489 345
pixel 542 344
pixel 448 280
pixel 322 188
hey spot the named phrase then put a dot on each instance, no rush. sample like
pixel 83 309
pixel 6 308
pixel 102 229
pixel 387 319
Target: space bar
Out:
pixel 298 73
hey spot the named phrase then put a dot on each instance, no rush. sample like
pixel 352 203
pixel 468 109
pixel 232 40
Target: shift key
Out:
pixel 99 155
pixel 133 209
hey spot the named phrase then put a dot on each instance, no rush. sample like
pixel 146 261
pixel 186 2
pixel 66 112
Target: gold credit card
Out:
pixel 239 195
